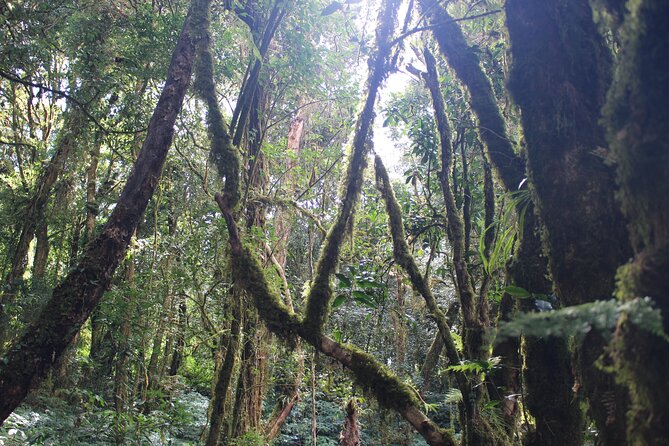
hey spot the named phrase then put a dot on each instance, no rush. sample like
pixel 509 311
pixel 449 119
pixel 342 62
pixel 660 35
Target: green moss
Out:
pixel 373 376
pixel 276 315
pixel 637 121
pixel 223 153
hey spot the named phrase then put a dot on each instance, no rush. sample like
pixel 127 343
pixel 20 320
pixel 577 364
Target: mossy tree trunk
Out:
pixel 477 429
pixel 638 131
pixel 72 302
pixel 219 410
pixel 559 76
pixel 557 414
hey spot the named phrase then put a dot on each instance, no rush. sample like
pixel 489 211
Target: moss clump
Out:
pixel 637 118
pixel 373 376
pixel 277 316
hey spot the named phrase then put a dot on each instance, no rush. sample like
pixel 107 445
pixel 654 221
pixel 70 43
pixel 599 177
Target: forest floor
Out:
pixel 61 421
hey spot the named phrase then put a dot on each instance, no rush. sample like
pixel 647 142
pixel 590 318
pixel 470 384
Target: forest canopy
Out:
pixel 289 222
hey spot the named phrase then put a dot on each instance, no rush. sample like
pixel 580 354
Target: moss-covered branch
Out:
pixel 455 224
pixel 465 63
pixel 477 429
pixel 404 259
pixel 320 295
pixel 379 380
pixel 223 153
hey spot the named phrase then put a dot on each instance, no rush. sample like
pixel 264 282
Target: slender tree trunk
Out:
pixel 41 252
pixel 75 298
pixel 121 397
pixel 218 411
pixel 180 337
pixel 282 231
pixel 154 372
pixel 477 430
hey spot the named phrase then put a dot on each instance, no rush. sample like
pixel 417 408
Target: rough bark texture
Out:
pixel 350 434
pixel 638 124
pixel 559 76
pixel 75 298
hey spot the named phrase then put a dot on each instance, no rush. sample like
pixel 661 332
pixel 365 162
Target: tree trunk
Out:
pixel 559 77
pixel 477 430
pixel 638 130
pixel 350 434
pixel 75 298
pixel 121 397
pixel 529 267
pixel 219 398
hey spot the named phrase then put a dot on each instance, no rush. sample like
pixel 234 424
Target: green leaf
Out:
pixel 517 291
pixel 364 299
pixel 339 301
pixel 344 282
pixel 453 395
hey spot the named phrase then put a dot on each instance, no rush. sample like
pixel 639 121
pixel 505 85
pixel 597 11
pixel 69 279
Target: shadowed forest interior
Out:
pixel 304 222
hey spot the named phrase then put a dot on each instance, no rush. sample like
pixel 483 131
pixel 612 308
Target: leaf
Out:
pixel 364 299
pixel 453 396
pixel 344 282
pixel 517 291
pixel 331 9
pixel 359 294
pixel 339 301
pixel 367 284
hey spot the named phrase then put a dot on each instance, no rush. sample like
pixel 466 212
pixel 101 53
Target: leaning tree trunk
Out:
pixel 559 77
pixel 638 122
pixel 75 298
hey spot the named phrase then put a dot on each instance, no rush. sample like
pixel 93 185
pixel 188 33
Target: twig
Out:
pixel 402 36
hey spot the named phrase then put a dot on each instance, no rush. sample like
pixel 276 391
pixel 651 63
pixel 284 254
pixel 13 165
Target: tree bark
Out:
pixel 559 76
pixel 477 430
pixel 638 131
pixel 350 434
pixel 529 267
pixel 75 298
pixel 218 411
